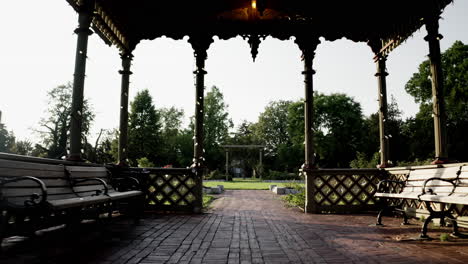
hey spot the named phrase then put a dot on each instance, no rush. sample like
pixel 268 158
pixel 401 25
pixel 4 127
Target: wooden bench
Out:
pixel 35 195
pixel 445 185
pixel 126 196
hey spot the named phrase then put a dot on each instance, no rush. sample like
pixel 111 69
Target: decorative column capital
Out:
pixel 126 63
pixel 432 27
pixel 200 45
pixel 381 60
pixel 308 45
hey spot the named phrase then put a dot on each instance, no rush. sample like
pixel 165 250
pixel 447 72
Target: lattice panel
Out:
pixel 171 190
pixel 345 190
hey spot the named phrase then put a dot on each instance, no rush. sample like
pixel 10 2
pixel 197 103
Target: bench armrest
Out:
pixel 133 183
pixel 32 199
pixel 387 181
pixel 101 181
pixel 452 181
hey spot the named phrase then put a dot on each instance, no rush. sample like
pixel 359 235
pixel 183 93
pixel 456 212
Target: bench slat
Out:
pixel 452 199
pixel 445 173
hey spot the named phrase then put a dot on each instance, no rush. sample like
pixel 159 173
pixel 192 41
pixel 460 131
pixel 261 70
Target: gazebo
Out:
pixel 383 25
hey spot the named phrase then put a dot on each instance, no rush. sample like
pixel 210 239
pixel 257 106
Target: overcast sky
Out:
pixel 38 47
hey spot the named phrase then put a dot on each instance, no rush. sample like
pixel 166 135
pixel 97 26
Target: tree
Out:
pixel 171 129
pixel 339 125
pixel 7 139
pixel 216 127
pixel 395 136
pixel 144 130
pixel 57 123
pixel 23 147
pixel 272 127
pixel 455 71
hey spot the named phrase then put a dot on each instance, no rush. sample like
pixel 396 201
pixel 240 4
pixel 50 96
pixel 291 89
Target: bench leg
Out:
pixel 455 232
pixel 424 228
pixel 379 217
pixel 138 209
pixel 405 217
pixel 3 225
pixel 384 209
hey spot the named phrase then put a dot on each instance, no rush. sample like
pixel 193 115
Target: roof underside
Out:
pixel 125 23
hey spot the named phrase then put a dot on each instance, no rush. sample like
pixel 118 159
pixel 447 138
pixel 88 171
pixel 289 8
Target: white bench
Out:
pixel 443 185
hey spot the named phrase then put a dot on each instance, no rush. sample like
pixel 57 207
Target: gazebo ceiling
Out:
pixel 385 24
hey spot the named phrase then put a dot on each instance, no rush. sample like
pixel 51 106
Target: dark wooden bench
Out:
pixel 126 196
pixel 444 185
pixel 35 195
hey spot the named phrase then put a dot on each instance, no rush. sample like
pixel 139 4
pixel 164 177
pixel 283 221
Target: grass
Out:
pixel 444 237
pixel 207 199
pixel 243 184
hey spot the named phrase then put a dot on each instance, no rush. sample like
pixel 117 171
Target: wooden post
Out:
pixel 382 84
pixel 440 135
pixel 84 21
pixel 308 45
pixel 123 127
pixel 200 45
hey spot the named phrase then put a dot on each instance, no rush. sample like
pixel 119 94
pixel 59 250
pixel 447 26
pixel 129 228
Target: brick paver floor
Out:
pixel 241 227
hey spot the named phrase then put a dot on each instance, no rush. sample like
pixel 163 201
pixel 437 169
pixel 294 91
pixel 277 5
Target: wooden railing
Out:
pixel 344 190
pixel 168 189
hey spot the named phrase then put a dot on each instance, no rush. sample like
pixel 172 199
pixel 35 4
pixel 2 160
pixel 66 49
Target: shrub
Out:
pixel 215 175
pixel 444 237
pixel 297 199
pixel 281 176
pixel 145 163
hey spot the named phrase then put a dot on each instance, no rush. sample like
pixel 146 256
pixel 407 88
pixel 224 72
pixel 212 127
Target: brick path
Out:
pixel 242 227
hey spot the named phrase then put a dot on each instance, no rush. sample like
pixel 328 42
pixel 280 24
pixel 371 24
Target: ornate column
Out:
pixel 123 127
pixel 84 19
pixel 433 37
pixel 200 45
pixel 308 45
pixel 382 84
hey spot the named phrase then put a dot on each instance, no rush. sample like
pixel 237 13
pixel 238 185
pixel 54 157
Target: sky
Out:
pixel 38 49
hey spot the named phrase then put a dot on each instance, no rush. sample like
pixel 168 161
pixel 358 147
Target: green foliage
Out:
pixel 144 131
pixel 215 175
pixel 144 163
pixel 297 199
pixel 339 129
pixel 272 127
pixel 207 200
pixel 56 125
pixel 415 162
pixel 362 161
pixel 242 184
pixel 23 147
pixel 7 139
pixel 170 147
pixel 420 130
pixel 281 176
pixel 216 127
pixel 444 237
pixel 185 147
pixel 105 149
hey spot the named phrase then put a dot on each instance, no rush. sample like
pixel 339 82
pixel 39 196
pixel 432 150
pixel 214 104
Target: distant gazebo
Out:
pixel 383 25
pixel 228 148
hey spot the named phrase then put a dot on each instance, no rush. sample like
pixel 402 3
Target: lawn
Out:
pixel 243 184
